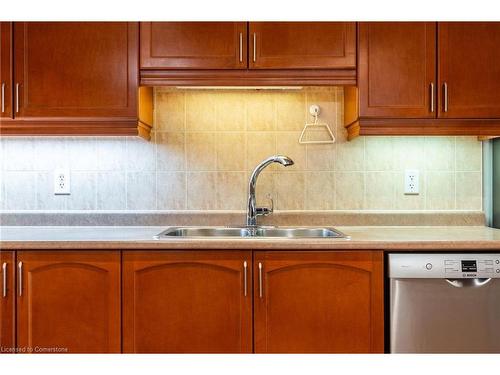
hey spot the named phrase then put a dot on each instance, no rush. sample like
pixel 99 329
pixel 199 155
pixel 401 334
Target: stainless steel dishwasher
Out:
pixel 444 303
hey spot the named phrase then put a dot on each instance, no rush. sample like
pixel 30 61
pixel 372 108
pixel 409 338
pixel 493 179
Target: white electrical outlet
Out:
pixel 411 181
pixel 62 182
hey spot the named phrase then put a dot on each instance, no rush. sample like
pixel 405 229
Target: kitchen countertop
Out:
pixel 424 238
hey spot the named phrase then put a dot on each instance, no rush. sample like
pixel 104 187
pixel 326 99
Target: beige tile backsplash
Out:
pixel 206 142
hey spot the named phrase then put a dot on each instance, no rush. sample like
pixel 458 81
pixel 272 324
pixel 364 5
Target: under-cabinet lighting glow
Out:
pixel 239 87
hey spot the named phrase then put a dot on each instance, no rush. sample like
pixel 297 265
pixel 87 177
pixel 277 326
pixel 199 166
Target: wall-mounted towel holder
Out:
pixel 315 110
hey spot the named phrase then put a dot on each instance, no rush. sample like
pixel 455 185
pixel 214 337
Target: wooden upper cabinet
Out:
pixel 76 69
pixel 193 45
pixel 7 301
pixel 319 302
pixel 187 302
pixel 69 300
pixel 397 69
pixel 426 78
pixel 469 65
pixel 6 69
pixel 302 45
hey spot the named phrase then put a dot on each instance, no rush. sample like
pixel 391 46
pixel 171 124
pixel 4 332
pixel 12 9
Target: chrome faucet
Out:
pixel 252 210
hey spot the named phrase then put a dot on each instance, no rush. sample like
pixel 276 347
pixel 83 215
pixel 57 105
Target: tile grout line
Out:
pixel 426 180
pixel 481 179
pixel 186 183
pixel 306 192
pixel 155 146
pixel 455 170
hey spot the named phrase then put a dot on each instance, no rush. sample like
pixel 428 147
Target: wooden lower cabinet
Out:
pixel 7 301
pixel 318 302
pixel 68 301
pixel 187 302
pixel 203 301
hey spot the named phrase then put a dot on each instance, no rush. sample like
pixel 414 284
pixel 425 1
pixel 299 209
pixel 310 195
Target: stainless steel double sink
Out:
pixel 250 232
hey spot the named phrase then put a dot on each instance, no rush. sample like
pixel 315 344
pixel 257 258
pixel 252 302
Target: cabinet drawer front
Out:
pixel 318 302
pixel 76 69
pixel 397 69
pixel 302 45
pixel 469 66
pixel 193 45
pixel 69 301
pixel 187 302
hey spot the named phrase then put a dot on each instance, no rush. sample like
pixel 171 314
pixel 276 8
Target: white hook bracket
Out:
pixel 315 110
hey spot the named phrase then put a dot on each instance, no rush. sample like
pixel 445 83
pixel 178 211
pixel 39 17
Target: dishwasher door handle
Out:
pixel 468 283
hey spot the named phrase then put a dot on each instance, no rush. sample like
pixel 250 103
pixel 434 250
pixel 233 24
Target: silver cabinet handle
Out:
pixel 432 96
pixel 3 97
pixel 445 89
pixel 241 47
pixel 17 97
pixel 260 280
pixel 245 278
pixel 254 47
pixel 20 266
pixel 4 278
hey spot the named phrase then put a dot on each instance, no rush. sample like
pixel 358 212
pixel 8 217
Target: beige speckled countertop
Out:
pixel 421 238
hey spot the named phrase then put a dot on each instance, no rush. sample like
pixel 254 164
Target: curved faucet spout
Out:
pixel 252 210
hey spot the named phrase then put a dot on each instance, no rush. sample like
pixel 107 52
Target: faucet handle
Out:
pixel 270 199
pixel 265 211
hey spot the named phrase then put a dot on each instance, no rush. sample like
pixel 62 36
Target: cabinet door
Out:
pixel 187 302
pixel 69 301
pixel 469 67
pixel 302 45
pixel 6 69
pixel 193 45
pixel 7 298
pixel 397 69
pixel 76 69
pixel 319 302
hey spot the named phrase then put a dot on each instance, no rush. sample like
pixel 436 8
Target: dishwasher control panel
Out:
pixel 455 266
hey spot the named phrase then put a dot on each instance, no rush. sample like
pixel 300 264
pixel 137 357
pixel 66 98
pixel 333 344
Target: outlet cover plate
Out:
pixel 411 182
pixel 62 184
